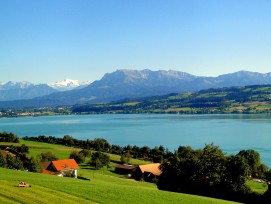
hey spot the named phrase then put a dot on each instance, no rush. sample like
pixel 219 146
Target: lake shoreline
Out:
pixel 232 132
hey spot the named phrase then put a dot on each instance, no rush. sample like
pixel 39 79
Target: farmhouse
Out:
pixel 148 172
pixel 66 167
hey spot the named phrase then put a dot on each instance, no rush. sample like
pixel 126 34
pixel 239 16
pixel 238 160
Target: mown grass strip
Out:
pixel 11 193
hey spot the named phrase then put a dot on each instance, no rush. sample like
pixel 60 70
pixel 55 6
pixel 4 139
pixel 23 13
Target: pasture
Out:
pixel 100 189
pixel 104 186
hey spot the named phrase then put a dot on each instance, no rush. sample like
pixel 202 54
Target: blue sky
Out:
pixel 45 41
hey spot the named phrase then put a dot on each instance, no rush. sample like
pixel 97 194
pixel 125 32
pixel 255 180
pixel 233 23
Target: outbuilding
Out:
pixel 125 169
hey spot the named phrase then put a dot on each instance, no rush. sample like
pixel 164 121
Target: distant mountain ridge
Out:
pixel 15 85
pixel 126 83
pixel 23 90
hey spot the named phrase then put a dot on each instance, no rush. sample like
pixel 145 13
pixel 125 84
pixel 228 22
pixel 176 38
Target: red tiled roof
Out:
pixel 152 168
pixel 49 172
pixel 67 164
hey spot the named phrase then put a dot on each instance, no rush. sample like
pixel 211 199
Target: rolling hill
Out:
pixel 241 99
pixel 103 187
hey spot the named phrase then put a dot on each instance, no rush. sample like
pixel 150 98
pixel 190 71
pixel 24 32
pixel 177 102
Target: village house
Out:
pixel 148 172
pixel 66 167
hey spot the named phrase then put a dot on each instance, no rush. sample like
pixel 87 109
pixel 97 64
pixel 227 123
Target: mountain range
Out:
pixel 126 83
pixel 25 90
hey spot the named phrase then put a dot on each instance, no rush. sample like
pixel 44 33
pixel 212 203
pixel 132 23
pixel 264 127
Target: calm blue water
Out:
pixel 231 132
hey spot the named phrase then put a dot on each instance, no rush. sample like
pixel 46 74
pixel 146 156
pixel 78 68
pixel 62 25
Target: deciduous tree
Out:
pixel 99 159
pixel 47 156
pixel 77 156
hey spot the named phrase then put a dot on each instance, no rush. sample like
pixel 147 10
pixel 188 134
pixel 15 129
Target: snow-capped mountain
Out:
pixel 23 90
pixel 68 84
pixel 15 85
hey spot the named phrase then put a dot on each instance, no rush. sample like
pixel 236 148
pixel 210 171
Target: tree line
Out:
pixel 210 172
pixel 8 137
pixel 156 154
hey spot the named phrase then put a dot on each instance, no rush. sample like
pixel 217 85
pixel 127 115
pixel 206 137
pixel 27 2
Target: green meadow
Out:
pixel 100 189
pixel 104 185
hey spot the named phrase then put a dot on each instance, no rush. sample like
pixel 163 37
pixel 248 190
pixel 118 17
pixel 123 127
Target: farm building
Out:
pixel 148 172
pixel 9 151
pixel 125 169
pixel 6 152
pixel 66 167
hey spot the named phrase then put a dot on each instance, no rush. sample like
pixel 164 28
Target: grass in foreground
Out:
pixel 104 186
pixel 101 189
pixel 257 187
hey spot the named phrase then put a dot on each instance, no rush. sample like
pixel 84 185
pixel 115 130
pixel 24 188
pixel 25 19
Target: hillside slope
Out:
pixel 101 189
pixel 242 99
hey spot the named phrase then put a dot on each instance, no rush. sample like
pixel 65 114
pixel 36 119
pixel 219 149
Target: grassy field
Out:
pixel 62 152
pixel 101 189
pixel 260 188
pixel 104 185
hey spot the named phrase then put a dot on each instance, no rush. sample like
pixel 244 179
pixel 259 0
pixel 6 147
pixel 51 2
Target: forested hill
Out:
pixel 243 99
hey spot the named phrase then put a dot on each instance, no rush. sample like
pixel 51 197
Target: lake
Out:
pixel 231 132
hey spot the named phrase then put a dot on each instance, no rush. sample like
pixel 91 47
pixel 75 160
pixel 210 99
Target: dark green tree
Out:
pixel 268 175
pixel 33 165
pixel 8 137
pixel 77 156
pixel 157 154
pixel 47 156
pixel 85 153
pixel 252 158
pixel 3 161
pixel 100 144
pixel 179 173
pixel 235 175
pixel 14 162
pixel 144 151
pixel 211 167
pixel 99 159
pixel 68 140
pixel 262 170
pixel 24 149
pixel 125 157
